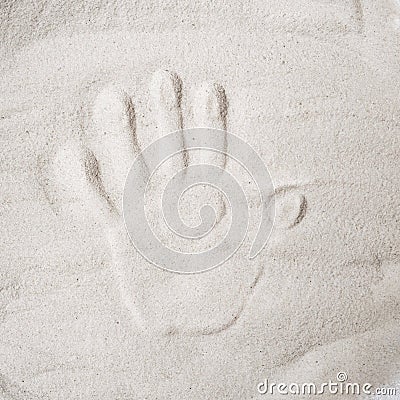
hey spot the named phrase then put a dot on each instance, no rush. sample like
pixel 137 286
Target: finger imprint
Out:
pixel 166 93
pixel 114 142
pixel 211 106
pixel 210 110
pixel 76 177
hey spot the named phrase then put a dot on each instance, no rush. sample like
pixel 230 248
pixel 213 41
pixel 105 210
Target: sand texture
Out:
pixel 312 87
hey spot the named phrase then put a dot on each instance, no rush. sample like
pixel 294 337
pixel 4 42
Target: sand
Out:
pixel 313 89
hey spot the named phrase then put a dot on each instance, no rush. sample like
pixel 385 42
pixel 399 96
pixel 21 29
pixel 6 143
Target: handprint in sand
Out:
pixel 95 175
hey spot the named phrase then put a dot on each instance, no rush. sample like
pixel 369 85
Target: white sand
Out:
pixel 313 88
